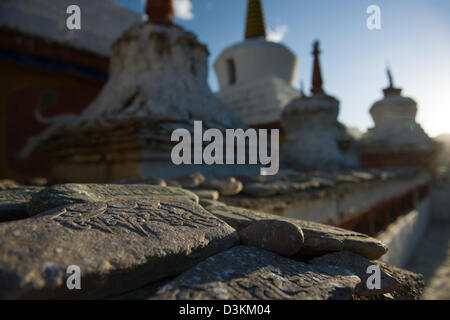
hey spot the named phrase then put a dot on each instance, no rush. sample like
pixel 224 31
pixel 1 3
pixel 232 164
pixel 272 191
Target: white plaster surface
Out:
pixel 403 236
pixel 312 134
pixel 102 21
pixel 255 59
pixel 259 101
pixel 335 208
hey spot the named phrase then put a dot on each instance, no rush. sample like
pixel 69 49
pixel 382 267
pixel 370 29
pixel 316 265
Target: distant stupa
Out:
pixel 158 83
pixel 397 139
pixel 256 76
pixel 314 137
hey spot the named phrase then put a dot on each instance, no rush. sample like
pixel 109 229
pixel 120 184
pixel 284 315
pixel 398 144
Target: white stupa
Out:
pixel 397 139
pixel 158 83
pixel 314 137
pixel 396 127
pixel 256 76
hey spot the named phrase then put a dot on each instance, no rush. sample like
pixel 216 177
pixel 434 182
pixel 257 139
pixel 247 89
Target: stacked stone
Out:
pixel 125 237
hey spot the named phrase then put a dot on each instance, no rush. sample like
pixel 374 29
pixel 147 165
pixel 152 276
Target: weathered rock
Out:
pixel 13 203
pixel 189 181
pixel 357 265
pixel 282 237
pixel 236 217
pixel 206 194
pixel 38 182
pixel 285 181
pixel 66 194
pixel 149 180
pixel 7 184
pixel 280 187
pixel 271 188
pixel 362 175
pixel 319 238
pixel 248 273
pixel 226 186
pixel 325 238
pixel 119 246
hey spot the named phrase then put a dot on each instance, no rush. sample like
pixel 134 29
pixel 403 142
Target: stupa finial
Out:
pixel 317 81
pixel 255 26
pixel 391 90
pixel 160 12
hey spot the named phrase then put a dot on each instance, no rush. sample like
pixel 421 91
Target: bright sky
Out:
pixel 414 39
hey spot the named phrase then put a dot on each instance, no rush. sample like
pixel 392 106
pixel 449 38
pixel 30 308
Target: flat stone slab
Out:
pixel 189 181
pixel 119 246
pixel 67 194
pixel 318 238
pixel 226 186
pixel 250 273
pixel 206 194
pixel 13 203
pixel 269 189
pixel 355 264
pixel 149 180
pixel 7 184
pixel 282 237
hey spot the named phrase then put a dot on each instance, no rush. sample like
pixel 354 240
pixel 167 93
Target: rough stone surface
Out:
pixel 118 245
pixel 13 202
pixel 7 184
pixel 66 194
pixel 355 264
pixel 149 180
pixel 269 189
pixel 207 194
pixel 189 181
pixel 249 273
pixel 282 237
pixel 226 186
pixel 291 189
pixel 319 238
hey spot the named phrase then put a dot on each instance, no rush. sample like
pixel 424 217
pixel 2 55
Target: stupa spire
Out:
pixel 391 90
pixel 255 27
pixel 302 89
pixel 317 73
pixel 160 12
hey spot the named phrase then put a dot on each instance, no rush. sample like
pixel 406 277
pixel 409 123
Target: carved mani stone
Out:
pixel 249 273
pixel 66 194
pixel 355 264
pixel 119 246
